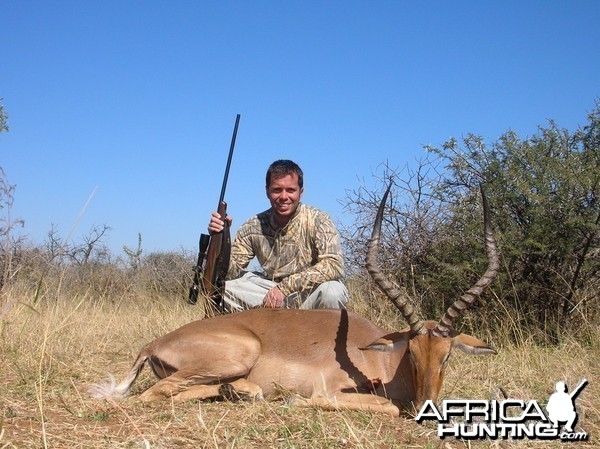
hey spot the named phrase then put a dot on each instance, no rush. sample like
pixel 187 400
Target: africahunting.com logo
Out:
pixel 514 419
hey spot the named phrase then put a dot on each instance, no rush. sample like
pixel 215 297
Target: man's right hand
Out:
pixel 216 225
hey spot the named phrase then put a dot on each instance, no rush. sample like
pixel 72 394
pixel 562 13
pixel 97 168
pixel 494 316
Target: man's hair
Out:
pixel 284 167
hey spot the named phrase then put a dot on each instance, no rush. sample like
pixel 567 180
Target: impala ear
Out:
pixel 388 343
pixel 471 345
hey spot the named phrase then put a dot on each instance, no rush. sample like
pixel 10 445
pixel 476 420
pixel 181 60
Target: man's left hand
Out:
pixel 274 298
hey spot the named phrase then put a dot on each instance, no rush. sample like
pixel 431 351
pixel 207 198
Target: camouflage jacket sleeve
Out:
pixel 241 252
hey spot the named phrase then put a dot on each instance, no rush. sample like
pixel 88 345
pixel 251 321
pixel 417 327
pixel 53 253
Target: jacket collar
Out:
pixel 275 226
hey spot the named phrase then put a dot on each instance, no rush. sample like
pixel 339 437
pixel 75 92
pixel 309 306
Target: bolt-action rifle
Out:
pixel 214 250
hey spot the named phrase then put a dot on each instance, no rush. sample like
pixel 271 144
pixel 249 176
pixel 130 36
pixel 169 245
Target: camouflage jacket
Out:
pixel 301 255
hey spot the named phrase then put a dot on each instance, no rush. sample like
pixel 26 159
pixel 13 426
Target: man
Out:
pixel 297 246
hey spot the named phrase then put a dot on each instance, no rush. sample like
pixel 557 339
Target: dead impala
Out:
pixel 333 359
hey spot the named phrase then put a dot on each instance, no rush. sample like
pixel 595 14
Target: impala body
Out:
pixel 328 358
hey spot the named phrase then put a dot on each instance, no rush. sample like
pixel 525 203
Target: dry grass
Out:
pixel 50 349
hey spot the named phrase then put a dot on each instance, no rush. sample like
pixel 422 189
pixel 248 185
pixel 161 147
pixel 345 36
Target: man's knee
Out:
pixel 332 295
pixel 247 291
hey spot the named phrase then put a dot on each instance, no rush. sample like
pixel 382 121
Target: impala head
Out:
pixel 429 354
pixel 430 343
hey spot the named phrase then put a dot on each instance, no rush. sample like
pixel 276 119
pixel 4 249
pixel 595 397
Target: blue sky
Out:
pixel 136 100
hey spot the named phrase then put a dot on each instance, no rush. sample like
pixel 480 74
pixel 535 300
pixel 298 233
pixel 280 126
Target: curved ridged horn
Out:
pixel 469 297
pixel 399 299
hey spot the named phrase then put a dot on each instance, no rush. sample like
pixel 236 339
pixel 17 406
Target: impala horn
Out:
pixel 469 297
pixel 398 298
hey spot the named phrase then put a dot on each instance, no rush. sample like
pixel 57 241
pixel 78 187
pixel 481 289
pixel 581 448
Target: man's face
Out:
pixel 284 193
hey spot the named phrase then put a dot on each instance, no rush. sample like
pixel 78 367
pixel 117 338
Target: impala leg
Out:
pixel 245 388
pixel 164 388
pixel 350 401
pixel 239 387
pixel 198 392
pixel 182 389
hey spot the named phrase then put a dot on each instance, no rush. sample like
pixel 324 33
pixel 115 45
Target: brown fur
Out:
pixel 329 358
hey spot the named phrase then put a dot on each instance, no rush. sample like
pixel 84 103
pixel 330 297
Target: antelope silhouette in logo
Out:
pixel 334 359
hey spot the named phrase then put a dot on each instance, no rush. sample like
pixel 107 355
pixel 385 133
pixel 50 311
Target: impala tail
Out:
pixel 112 390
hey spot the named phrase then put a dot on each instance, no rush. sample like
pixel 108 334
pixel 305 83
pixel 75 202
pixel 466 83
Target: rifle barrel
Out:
pixel 231 147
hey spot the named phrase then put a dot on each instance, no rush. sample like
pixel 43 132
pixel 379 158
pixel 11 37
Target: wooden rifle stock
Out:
pixel 214 251
pixel 217 259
